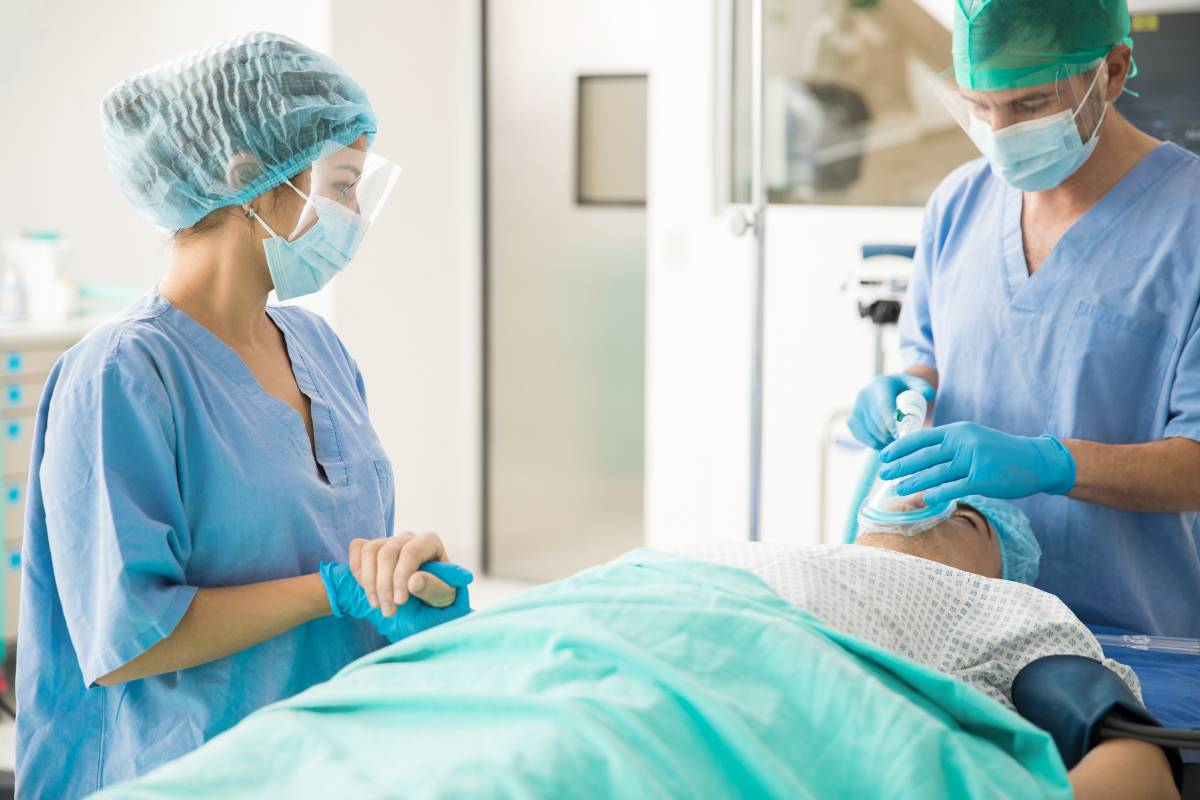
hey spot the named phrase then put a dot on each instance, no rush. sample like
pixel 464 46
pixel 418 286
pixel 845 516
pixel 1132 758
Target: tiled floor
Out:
pixel 485 592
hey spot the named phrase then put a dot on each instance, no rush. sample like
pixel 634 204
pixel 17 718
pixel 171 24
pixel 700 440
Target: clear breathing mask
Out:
pixel 885 511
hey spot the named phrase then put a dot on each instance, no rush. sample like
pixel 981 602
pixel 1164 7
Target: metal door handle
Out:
pixel 740 222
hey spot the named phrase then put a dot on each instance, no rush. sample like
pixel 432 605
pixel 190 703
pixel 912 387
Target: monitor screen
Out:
pixel 1166 48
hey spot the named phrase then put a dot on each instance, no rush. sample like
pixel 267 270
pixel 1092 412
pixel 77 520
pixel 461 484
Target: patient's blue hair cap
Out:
pixel 221 126
pixel 1020 553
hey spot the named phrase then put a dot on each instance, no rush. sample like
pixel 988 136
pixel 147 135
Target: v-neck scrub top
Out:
pixel 160 466
pixel 1101 343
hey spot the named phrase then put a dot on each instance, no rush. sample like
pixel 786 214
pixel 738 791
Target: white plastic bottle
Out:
pixel 911 408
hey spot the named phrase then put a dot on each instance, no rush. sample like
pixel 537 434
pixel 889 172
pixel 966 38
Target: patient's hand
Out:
pixel 387 570
pixel 347 599
pixel 1125 769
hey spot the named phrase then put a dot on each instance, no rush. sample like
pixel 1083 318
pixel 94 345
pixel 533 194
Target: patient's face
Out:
pixel 965 541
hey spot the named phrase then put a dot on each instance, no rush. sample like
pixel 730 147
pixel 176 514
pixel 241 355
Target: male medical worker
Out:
pixel 1054 310
pixel 208 496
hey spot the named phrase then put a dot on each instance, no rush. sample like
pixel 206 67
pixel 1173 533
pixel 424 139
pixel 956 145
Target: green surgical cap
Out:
pixel 1011 44
pixel 220 127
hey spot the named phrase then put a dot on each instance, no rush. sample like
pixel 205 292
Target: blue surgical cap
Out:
pixel 222 126
pixel 1020 552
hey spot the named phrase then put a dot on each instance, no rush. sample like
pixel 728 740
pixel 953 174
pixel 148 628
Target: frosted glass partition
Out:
pixel 849 115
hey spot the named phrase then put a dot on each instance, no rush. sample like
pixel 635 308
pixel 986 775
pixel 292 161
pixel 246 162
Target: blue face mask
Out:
pixel 305 265
pixel 1039 154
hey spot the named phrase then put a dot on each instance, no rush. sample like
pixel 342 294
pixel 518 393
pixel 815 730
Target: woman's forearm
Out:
pixel 1124 769
pixel 1154 476
pixel 226 620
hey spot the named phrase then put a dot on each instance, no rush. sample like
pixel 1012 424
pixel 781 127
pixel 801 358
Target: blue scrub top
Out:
pixel 1101 343
pixel 161 465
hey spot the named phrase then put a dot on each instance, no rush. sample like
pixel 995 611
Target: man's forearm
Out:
pixel 1155 476
pixel 1123 769
pixel 927 374
pixel 226 620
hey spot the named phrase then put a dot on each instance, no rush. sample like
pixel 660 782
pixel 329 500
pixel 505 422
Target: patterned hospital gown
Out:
pixel 981 630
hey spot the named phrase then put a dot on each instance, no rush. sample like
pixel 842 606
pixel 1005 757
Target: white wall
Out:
pixel 57 60
pixel 698 298
pixel 566 291
pixel 408 308
pixel 818 354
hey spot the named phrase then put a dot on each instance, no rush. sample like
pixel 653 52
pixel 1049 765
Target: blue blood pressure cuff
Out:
pixel 1072 697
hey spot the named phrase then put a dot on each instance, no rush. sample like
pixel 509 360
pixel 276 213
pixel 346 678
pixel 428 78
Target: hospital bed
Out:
pixel 588 687
pixel 652 675
pixel 1170 689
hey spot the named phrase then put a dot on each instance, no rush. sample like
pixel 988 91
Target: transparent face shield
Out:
pixel 348 180
pixel 1076 97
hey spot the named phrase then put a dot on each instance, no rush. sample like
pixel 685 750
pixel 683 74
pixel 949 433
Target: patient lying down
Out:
pixel 937 598
pixel 660 676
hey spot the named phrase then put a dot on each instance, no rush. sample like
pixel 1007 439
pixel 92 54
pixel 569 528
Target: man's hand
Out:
pixel 952 461
pixel 873 420
pixel 388 569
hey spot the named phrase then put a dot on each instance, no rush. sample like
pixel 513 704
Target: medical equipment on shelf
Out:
pixel 32 287
pixel 877 287
pixel 27 354
pixel 1157 644
pixel 1167 105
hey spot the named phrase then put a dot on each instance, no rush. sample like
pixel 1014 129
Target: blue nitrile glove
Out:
pixel 347 598
pixel 953 461
pixel 873 420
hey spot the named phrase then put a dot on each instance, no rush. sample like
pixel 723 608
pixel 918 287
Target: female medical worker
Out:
pixel 204 463
pixel 1054 306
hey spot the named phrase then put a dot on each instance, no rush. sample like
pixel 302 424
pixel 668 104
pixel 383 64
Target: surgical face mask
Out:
pixel 305 265
pixel 1039 154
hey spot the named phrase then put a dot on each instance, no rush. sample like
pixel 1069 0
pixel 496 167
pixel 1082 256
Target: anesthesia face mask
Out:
pixel 885 511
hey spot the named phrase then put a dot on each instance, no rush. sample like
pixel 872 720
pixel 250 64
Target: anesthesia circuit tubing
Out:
pixel 1155 644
